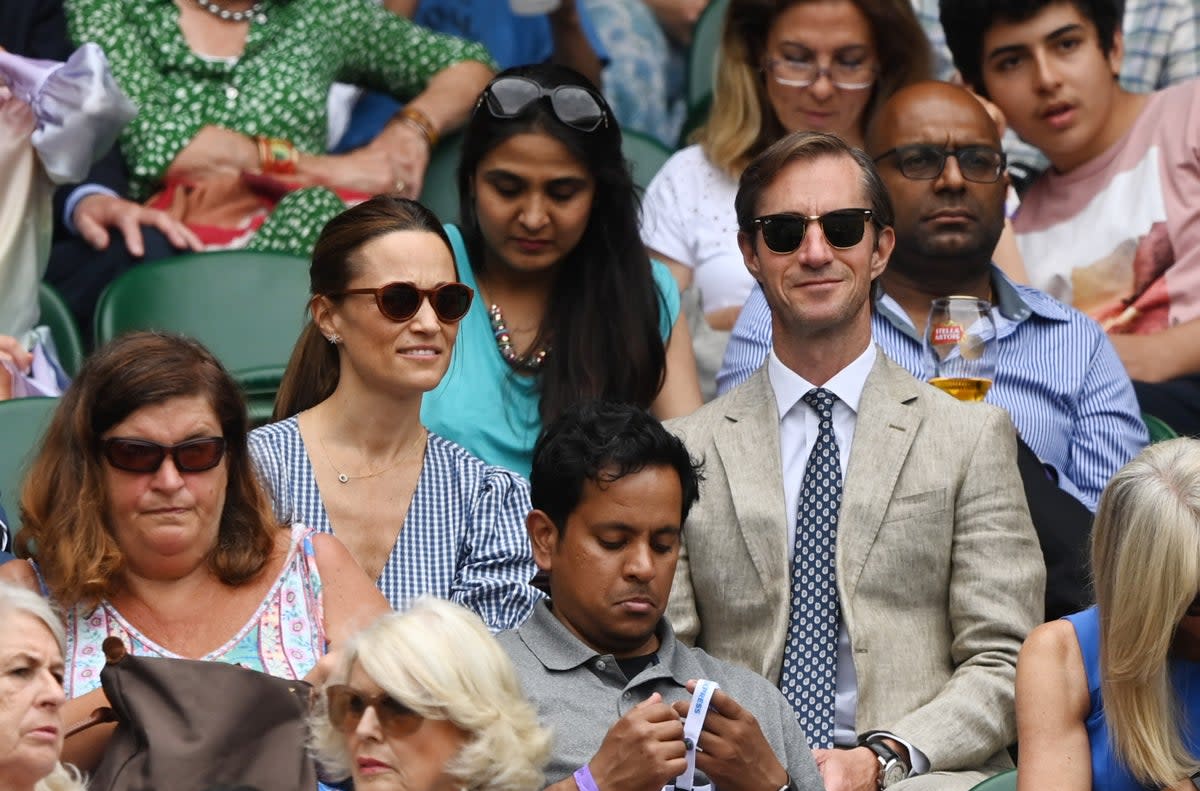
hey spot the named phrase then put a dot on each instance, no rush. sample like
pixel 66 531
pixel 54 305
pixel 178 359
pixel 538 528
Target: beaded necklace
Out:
pixel 230 16
pixel 526 362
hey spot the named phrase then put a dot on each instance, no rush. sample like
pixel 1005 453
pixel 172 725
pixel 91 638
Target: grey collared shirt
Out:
pixel 580 694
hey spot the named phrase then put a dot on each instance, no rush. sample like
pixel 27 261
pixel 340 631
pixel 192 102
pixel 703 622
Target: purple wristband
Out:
pixel 584 779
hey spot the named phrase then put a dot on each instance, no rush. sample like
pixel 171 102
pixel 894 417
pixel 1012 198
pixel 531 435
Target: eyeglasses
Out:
pixel 574 105
pixel 803 73
pixel 347 706
pixel 842 229
pixel 142 455
pixel 401 301
pixel 981 164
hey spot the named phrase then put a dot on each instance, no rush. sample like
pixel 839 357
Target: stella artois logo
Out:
pixel 947 334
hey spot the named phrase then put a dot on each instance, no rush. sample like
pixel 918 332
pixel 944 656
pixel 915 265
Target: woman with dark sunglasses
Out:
pixel 568 305
pixel 349 455
pixel 427 700
pixel 800 65
pixel 146 522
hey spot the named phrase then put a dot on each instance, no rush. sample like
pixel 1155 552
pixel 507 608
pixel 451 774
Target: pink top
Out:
pixel 285 637
pixel 1119 237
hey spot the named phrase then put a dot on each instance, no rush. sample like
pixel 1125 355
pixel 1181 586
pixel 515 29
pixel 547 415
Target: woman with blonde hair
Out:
pixel 1109 698
pixel 426 700
pixel 803 65
pixel 32 641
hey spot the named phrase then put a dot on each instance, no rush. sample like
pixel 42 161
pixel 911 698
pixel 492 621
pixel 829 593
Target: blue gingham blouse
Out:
pixel 463 538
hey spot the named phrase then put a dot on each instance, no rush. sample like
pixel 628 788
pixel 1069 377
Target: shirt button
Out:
pixel 601 664
pixel 231 93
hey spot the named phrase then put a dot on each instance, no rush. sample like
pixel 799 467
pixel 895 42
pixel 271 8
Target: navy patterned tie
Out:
pixel 808 677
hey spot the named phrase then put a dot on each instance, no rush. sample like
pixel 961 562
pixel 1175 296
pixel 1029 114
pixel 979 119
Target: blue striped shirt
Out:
pixel 1057 374
pixel 463 538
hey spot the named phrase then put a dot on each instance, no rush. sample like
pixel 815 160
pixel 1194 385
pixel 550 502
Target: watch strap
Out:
pixel 888 758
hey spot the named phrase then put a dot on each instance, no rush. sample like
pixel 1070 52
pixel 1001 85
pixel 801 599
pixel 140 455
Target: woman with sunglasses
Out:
pixel 804 65
pixel 148 523
pixel 1109 698
pixel 426 700
pixel 349 454
pixel 568 304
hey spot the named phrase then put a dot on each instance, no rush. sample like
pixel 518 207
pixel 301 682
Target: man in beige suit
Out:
pixel 861 538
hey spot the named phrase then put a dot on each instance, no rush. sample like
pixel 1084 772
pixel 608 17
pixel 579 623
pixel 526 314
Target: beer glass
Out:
pixel 960 347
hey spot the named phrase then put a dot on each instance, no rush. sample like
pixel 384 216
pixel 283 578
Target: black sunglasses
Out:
pixel 574 105
pixel 347 706
pixel 843 228
pixel 981 164
pixel 142 455
pixel 401 301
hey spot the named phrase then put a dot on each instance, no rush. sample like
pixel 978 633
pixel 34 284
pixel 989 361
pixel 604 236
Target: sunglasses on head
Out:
pixel 401 301
pixel 842 229
pixel 981 164
pixel 142 455
pixel 574 105
pixel 347 706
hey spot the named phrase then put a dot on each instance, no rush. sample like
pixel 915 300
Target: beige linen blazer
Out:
pixel 940 575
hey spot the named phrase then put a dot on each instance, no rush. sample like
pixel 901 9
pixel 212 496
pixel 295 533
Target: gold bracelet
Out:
pixel 421 122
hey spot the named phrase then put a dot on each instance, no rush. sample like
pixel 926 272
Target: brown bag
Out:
pixel 188 725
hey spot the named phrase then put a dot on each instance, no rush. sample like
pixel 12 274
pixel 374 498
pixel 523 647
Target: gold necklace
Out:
pixel 344 478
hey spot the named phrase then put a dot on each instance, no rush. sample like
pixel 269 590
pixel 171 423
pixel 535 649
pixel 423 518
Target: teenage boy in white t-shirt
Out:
pixel 1114 226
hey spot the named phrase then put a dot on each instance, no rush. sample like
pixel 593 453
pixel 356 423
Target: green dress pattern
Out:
pixel 295 50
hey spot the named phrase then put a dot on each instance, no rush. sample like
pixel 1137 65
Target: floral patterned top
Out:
pixel 295 50
pixel 285 637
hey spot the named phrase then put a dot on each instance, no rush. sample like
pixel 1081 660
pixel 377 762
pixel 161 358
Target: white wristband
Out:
pixel 697 711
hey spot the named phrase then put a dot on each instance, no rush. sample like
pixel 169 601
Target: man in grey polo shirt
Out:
pixel 611 489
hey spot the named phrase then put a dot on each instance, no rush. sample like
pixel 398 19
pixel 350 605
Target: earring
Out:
pixel 334 338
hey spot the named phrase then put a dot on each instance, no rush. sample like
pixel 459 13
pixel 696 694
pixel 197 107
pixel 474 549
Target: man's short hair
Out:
pixel 764 169
pixel 965 23
pixel 602 442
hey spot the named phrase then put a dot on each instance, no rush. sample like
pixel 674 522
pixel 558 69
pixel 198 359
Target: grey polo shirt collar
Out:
pixel 557 648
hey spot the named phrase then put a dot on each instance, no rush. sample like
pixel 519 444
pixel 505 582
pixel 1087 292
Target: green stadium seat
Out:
pixel 22 423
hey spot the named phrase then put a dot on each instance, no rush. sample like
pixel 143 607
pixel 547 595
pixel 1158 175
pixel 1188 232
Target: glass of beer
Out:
pixel 960 347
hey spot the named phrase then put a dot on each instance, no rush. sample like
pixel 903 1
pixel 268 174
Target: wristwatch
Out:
pixel 892 768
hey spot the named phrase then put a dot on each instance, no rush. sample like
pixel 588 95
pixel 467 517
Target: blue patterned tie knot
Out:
pixel 808 676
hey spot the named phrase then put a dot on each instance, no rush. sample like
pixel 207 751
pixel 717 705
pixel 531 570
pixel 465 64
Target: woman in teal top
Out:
pixel 568 306
pixel 1109 699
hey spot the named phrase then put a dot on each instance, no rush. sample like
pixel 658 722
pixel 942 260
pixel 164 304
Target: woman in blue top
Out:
pixel 568 306
pixel 1109 698
pixel 349 454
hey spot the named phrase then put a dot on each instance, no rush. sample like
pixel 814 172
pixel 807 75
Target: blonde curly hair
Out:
pixel 439 660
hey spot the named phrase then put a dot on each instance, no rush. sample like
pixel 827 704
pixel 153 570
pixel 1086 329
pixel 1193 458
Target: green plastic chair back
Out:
pixel 440 192
pixel 645 155
pixel 1005 781
pixel 1158 428
pixel 57 316
pixel 703 54
pixel 22 423
pixel 247 307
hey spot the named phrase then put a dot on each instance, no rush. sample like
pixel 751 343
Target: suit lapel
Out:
pixel 748 446
pixel 884 431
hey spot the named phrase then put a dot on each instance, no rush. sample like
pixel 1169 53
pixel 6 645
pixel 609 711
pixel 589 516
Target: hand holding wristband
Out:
pixel 421 122
pixel 277 156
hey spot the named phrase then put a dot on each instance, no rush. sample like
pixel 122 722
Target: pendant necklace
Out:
pixel 344 478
